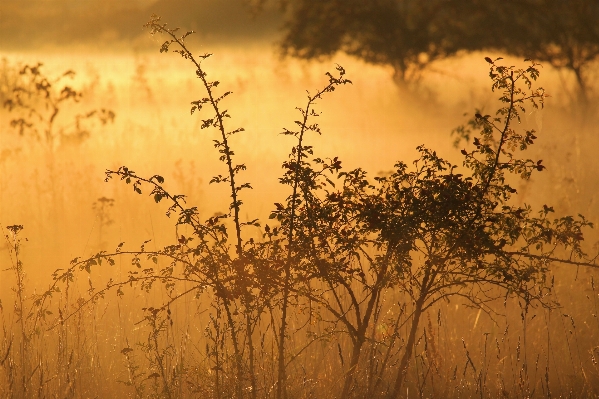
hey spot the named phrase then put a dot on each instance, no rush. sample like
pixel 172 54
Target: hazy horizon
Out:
pixel 112 24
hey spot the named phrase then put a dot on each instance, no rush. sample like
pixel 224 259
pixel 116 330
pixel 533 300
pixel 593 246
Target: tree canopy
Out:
pixel 410 34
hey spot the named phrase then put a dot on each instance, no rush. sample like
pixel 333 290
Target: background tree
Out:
pixel 563 34
pixel 409 34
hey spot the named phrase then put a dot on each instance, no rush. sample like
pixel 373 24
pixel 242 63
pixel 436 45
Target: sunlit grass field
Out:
pixel 59 195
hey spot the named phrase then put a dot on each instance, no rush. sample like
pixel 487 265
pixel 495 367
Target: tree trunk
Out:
pixel 282 367
pixel 353 365
pixel 582 86
pixel 238 360
pixel 405 360
pixel 252 370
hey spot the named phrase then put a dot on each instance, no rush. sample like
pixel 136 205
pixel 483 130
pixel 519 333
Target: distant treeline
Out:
pixel 406 34
pixel 410 34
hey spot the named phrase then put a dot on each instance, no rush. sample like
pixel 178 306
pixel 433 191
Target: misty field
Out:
pixel 307 255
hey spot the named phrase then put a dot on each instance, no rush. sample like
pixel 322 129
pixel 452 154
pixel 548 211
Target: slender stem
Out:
pixel 508 120
pixel 235 204
pixel 282 377
pixel 221 127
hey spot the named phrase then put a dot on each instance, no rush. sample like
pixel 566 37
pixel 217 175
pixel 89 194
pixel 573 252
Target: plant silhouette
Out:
pixel 346 260
pixel 39 100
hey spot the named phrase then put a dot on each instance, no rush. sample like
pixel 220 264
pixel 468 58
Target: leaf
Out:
pixel 125 351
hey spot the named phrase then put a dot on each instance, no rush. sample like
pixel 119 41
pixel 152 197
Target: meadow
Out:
pixel 254 306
